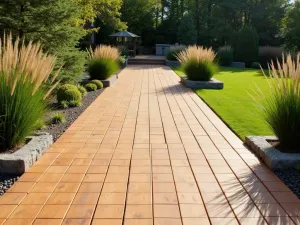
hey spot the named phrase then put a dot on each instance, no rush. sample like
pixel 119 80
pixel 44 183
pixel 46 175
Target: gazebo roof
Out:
pixel 124 34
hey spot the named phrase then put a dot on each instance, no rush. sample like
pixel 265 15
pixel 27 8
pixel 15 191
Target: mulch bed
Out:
pixel 291 178
pixel 71 114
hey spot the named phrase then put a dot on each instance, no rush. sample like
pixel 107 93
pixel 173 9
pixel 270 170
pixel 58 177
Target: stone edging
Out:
pixel 212 84
pixel 272 157
pixel 20 161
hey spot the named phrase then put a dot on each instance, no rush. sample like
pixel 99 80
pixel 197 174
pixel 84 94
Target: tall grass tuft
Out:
pixel 103 62
pixel 198 63
pixel 282 107
pixel 104 52
pixel 23 71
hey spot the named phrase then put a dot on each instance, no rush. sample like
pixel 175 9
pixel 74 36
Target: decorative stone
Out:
pixel 212 84
pixel 172 63
pixel 272 157
pixel 20 161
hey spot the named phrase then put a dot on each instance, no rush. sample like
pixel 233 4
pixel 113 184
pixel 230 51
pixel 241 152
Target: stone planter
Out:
pixel 172 63
pixel 110 81
pixel 20 161
pixel 212 84
pixel 238 65
pixel 272 157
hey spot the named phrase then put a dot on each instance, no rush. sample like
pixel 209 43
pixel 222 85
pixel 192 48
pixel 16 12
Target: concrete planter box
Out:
pixel 238 65
pixel 110 81
pixel 172 63
pixel 272 157
pixel 20 161
pixel 212 84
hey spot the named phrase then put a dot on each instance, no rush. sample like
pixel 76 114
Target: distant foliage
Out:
pixel 267 54
pixel 225 56
pixel 246 48
pixel 255 65
pixel 187 34
pixel 282 107
pixel 198 63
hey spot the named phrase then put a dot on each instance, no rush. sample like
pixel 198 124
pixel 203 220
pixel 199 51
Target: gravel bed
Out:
pixel 291 178
pixel 71 114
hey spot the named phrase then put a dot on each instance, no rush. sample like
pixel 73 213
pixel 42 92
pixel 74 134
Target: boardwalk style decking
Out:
pixel 149 151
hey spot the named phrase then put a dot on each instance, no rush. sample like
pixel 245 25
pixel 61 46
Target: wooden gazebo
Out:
pixel 126 40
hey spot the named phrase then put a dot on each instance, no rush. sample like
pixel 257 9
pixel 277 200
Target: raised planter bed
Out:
pixel 238 65
pixel 16 163
pixel 272 157
pixel 172 63
pixel 212 84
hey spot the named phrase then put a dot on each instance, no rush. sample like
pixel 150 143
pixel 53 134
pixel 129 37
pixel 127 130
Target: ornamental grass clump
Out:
pixel 198 63
pixel 174 50
pixel 103 62
pixel 24 69
pixel 282 107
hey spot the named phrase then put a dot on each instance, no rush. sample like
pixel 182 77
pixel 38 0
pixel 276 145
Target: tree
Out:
pixel 108 11
pixel 50 22
pixel 187 33
pixel 291 28
pixel 246 48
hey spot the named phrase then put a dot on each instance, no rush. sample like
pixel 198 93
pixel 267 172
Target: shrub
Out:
pixel 90 87
pixel 282 107
pixel 123 50
pixel 69 95
pixel 64 104
pixel 199 70
pixel 102 69
pixel 98 83
pixel 82 90
pixel 122 61
pixel 225 56
pixel 65 87
pixel 255 65
pixel 75 103
pixel 246 47
pixel 267 54
pixel 174 50
pixel 23 71
pixel 58 118
pixel 198 63
pixel 40 124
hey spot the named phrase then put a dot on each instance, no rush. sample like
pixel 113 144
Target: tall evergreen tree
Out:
pixel 187 33
pixel 53 24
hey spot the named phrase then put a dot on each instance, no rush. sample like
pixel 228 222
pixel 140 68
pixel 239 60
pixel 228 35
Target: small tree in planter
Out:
pixel 198 63
pixel 282 107
pixel 23 73
pixel 103 62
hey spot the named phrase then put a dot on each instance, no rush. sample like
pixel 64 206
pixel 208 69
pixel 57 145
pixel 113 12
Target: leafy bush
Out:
pixel 58 118
pixel 75 103
pixel 199 70
pixel 123 51
pixel 102 69
pixel 174 50
pixel 267 54
pixel 90 87
pixel 246 47
pixel 122 61
pixel 69 95
pixel 225 56
pixel 65 87
pixel 98 83
pixel 23 72
pixel 255 65
pixel 282 108
pixel 198 63
pixel 64 104
pixel 82 90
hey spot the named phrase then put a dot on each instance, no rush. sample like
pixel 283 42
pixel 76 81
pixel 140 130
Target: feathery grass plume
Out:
pixel 281 108
pixel 197 53
pixel 104 52
pixel 23 71
pixel 174 50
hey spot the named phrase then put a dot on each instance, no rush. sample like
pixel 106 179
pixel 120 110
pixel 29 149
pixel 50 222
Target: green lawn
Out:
pixel 234 104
